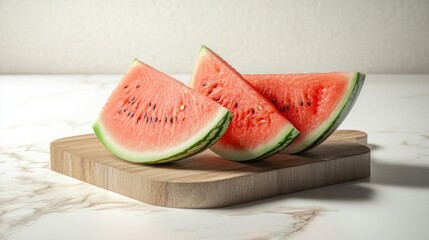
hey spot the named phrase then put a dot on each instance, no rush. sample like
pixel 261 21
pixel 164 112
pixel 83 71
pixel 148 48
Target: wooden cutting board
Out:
pixel 208 181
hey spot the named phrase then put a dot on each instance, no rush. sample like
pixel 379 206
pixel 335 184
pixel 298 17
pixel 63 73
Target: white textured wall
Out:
pixel 104 36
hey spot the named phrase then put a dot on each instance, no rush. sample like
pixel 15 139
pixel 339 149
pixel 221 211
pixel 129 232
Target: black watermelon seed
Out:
pixel 287 106
pixel 138 119
pixel 215 85
pixel 155 120
pixel 301 103
pixel 204 84
pixel 252 110
pixel 171 119
pixel 217 99
pixel 128 114
pixel 274 101
pixel 147 120
pixel 210 92
pixel 145 115
pixel 150 104
pixel 124 110
pixel 132 115
pixel 236 105
pixel 137 86
pixel 308 103
pixel 165 119
pixel 126 86
pixel 154 106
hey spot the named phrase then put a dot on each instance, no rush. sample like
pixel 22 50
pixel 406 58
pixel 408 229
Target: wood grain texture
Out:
pixel 208 181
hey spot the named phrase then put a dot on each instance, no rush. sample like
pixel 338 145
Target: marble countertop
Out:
pixel 37 203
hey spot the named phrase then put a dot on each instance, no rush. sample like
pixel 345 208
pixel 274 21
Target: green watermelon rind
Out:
pixel 211 138
pixel 208 136
pixel 277 144
pixel 325 130
pixel 286 136
pixel 294 133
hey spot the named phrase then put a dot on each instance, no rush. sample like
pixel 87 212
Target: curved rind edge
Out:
pixel 202 143
pixel 269 149
pixel 276 145
pixel 358 81
pixel 201 53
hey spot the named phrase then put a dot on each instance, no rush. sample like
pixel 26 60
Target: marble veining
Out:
pixel 37 191
pixel 32 190
pixel 37 203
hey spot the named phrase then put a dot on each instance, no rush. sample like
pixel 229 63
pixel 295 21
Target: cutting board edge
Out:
pixel 218 198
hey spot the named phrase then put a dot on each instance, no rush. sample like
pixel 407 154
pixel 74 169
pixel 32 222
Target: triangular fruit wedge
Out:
pixel 258 130
pixel 316 104
pixel 153 118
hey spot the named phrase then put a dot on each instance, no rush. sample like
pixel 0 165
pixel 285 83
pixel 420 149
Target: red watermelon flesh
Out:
pixel 315 103
pixel 153 118
pixel 258 129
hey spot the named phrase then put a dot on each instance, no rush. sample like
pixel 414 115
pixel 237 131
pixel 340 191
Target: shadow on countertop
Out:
pixel 399 174
pixel 382 173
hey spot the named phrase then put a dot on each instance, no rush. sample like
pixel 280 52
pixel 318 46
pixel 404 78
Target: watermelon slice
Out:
pixel 316 104
pixel 153 118
pixel 258 129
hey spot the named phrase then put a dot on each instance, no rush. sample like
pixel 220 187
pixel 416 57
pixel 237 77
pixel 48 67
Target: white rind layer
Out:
pixel 355 82
pixel 276 144
pixel 217 125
